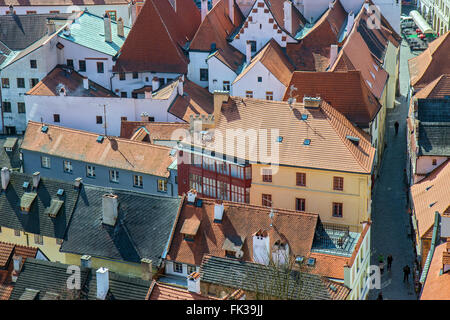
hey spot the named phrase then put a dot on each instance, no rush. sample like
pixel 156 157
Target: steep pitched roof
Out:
pixel 163 50
pixel 313 51
pixel 72 82
pixel 431 63
pixel 277 9
pixel 347 92
pixel 161 291
pixel 10 159
pixel 239 221
pixel 27 3
pixel 142 229
pixel 274 59
pixel 111 152
pixel 439 88
pixel 437 284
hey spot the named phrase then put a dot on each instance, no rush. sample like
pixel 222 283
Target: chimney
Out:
pixel 180 86
pixel 86 261
pixel 148 94
pixel 11 9
pixel 102 283
pixel 231 10
pixel 144 116
pixel 147 269
pixel 120 28
pixel 350 21
pixel 191 195
pixel 86 83
pixel 155 83
pixel 333 54
pixel 366 5
pixel 288 16
pixel 110 209
pixel 219 98
pixel 17 261
pixel 51 28
pixel 36 179
pixel 248 52
pixel 5 175
pixel 62 92
pixel 218 211
pixel 193 282
pixel 78 182
pixel 107 23
pixel 204 8
pixel 139 6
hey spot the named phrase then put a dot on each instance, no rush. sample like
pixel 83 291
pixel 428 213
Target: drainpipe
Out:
pixel 1 106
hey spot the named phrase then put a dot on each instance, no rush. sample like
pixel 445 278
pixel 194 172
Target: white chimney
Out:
pixel 445 226
pixel 144 116
pixel 36 179
pixel 204 8
pixel 86 83
pixel 110 208
pixel 5 175
pixel 191 195
pixel 148 93
pixel 78 182
pixel 261 249
pixel 17 261
pixel 231 10
pixel 180 87
pixel 102 283
pixel 333 54
pixel 147 269
pixel 86 261
pixel 193 282
pixel 350 21
pixel 51 28
pixel 107 23
pixel 248 52
pixel 11 9
pixel 218 211
pixel 155 83
pixel 288 16
pixel 120 28
pixel 62 92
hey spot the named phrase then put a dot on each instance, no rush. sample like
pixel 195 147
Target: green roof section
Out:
pixel 89 31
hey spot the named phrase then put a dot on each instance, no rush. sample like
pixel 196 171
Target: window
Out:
pixel 21 107
pixel 269 95
pixel 203 74
pixel 300 179
pixel 249 94
pixel 259 79
pixel 17 233
pixel 113 175
pixel 59 241
pixel 45 162
pixel 191 269
pixel 33 64
pixel 337 209
pixel 99 119
pixel 5 83
pixel 177 267
pixel 6 106
pixel 112 14
pixel 122 76
pixel 67 165
pixel 162 185
pixel 338 183
pixel 135 75
pixel 54 11
pixel 253 45
pixel 134 95
pixel 38 239
pixel 137 181
pixel 82 65
pixel 267 200
pixel 161 82
pixel 33 82
pixel 123 118
pixel 20 83
pixel 31 12
pixel 434 162
pixel 56 118
pixel 300 204
pixel 267 175
pixel 100 67
pixel 226 86
pixel 70 63
pixel 90 171
pixel 123 94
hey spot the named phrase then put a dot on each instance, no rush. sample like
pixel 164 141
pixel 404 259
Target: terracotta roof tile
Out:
pixel 437 285
pixel 112 152
pixel 347 92
pixel 329 265
pixel 6 250
pixel 27 3
pixel 160 291
pixel 155 130
pixel 277 8
pixel 439 88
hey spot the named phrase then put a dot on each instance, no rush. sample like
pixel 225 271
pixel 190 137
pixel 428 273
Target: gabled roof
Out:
pixel 37 220
pixel 346 92
pixel 10 159
pixel 439 88
pixel 313 51
pixel 161 291
pixel 239 221
pixel 72 82
pixel 110 152
pixel 430 195
pixel 431 63
pixel 18 3
pixel 269 281
pixel 142 229
pixel 274 59
pixel 154 130
pixel 158 37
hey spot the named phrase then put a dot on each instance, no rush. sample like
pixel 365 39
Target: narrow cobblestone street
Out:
pixel 391 226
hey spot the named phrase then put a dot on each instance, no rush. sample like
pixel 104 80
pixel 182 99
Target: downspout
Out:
pixel 1 106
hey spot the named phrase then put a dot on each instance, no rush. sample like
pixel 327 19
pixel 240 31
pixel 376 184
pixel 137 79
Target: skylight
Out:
pixel 304 116
pixel 307 142
pixel 280 139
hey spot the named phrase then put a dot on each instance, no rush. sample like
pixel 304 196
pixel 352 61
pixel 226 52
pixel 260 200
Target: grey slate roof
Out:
pixel 268 281
pixel 142 229
pixel 37 220
pixel 50 279
pixel 10 159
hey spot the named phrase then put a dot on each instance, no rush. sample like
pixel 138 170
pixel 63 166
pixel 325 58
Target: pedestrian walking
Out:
pixel 406 272
pixel 380 296
pixel 381 263
pixel 389 262
pixel 396 125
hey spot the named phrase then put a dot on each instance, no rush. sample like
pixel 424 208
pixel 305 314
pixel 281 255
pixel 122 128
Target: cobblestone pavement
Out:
pixel 391 225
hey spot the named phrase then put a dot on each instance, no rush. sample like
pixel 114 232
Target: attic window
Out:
pixel 25 185
pixel 304 117
pixel 233 245
pixel 55 207
pixel 311 262
pixel 190 228
pixel 60 192
pixel 375 66
pixel 307 142
pixel 372 74
pixel 354 140
pixel 44 129
pixel 27 200
pixel 100 139
pixel 428 188
pixel 280 139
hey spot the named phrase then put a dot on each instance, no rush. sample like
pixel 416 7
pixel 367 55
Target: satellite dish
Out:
pixel 239 254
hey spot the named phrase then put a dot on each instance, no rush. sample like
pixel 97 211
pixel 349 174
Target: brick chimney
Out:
pixel 191 195
pixel 11 9
pixel 107 23
pixel 193 282
pixel 204 8
pixel 5 175
pixel 120 28
pixel 110 209
pixel 181 85
pixel 102 276
pixel 288 16
pixel 148 94
pixel 144 116
pixel 147 269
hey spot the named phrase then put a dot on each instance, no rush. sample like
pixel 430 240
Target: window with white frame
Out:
pixel 177 267
pixel 191 269
pixel 67 166
pixel 45 162
pixel 113 175
pixel 162 185
pixel 137 181
pixel 90 171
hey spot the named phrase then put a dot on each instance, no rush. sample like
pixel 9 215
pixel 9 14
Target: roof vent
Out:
pixel 311 262
pixel 44 129
pixel 307 142
pixel 312 102
pixel 354 140
pixel 100 139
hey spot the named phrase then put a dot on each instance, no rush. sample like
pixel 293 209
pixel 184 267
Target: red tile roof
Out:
pixel 27 3
pixel 156 130
pixel 156 41
pixel 437 89
pixel 239 220
pixel 437 285
pixel 347 92
pixel 277 9
pixel 160 291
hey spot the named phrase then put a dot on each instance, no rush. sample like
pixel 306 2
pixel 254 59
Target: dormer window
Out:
pixel 190 228
pixel 233 246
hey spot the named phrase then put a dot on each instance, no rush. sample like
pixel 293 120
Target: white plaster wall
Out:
pixel 250 82
pixel 144 79
pixel 197 61
pixel 218 73
pixel 425 165
pixel 312 9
